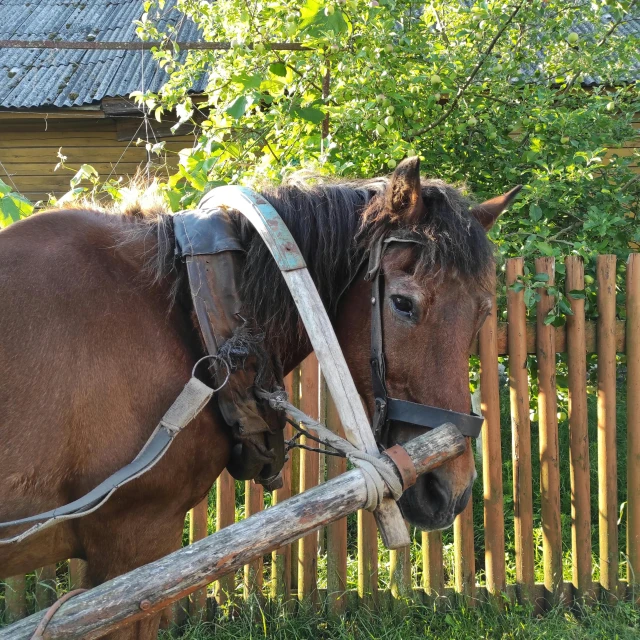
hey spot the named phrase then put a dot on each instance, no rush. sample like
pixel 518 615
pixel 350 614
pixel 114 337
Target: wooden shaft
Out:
pixel 281 557
pixel 149 589
pixel 578 432
pixel 309 471
pixel 633 419
pixel 492 456
pixel 432 564
pixel 253 503
pixel 465 564
pixel 548 430
pixel 343 390
pixel 607 463
pixel 224 588
pixel 15 598
pixel 521 432
pixel 197 531
pixel 46 586
pixel 337 531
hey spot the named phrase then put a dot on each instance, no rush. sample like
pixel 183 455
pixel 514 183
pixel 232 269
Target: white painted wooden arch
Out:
pixel 286 253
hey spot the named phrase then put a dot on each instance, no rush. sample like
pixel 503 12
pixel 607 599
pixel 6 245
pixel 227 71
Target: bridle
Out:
pixel 388 410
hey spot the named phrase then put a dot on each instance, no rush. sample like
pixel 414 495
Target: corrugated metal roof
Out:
pixel 73 77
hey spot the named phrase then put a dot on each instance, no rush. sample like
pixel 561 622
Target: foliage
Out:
pixel 488 93
pixel 13 206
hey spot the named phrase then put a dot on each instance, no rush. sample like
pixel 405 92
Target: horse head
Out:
pixel 428 244
pixel 434 298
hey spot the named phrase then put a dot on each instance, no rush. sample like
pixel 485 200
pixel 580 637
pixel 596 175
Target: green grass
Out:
pixel 618 623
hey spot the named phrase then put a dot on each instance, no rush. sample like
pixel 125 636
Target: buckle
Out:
pixel 379 418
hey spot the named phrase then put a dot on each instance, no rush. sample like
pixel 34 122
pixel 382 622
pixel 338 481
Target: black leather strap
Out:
pixel 426 416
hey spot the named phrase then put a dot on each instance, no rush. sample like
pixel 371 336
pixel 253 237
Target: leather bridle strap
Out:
pixel 391 409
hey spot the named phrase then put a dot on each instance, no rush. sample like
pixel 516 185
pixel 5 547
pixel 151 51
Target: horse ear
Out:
pixel 489 211
pixel 404 193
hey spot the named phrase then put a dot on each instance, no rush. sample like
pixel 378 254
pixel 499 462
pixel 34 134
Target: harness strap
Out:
pixel 192 399
pixel 207 241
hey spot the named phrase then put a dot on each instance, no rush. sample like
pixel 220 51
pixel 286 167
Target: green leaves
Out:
pixel 535 212
pixel 85 172
pixel 371 69
pixel 13 206
pixel 318 17
pixel 237 108
pixel 310 113
pixel 278 69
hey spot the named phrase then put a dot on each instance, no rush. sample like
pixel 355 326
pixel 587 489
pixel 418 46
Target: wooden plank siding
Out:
pixel 628 149
pixel 29 148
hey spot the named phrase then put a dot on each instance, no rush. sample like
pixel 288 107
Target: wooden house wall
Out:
pixel 29 147
pixel 630 148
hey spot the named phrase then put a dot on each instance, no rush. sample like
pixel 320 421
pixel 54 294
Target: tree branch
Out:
pixel 472 75
pixel 616 24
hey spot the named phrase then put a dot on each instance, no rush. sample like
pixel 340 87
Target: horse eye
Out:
pixel 403 305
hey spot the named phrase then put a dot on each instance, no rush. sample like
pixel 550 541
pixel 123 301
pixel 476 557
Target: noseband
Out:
pixel 389 410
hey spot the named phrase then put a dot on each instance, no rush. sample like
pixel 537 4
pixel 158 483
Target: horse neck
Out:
pixel 292 356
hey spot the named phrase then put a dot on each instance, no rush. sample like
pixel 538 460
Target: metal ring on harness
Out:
pixel 219 359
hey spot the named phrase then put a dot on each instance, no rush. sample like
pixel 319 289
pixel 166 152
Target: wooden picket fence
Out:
pixel 292 571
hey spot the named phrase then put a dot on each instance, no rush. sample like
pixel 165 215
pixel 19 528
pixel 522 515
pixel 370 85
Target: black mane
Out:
pixel 334 224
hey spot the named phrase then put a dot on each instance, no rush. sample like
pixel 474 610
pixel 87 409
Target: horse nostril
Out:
pixel 435 494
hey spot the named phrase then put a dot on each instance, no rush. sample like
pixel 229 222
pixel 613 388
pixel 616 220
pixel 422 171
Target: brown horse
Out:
pixel 97 339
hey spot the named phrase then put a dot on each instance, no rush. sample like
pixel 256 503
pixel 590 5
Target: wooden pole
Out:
pixel 138 45
pixel 633 420
pixel 197 531
pixel 46 586
pixel 281 557
pixel 521 432
pixel 309 473
pixel 607 463
pixel 294 473
pixel 336 532
pixel 253 503
pixel 224 589
pixel 465 564
pixel 578 431
pixel 432 564
pixel 492 456
pixel 548 430
pixel 153 587
pixel 400 575
pixel 15 598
